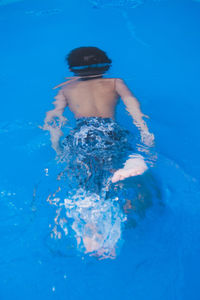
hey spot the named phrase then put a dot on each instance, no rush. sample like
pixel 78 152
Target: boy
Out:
pixel 93 100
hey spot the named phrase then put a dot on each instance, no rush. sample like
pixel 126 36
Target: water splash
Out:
pixel 89 208
pixel 132 29
pixel 123 4
pixel 96 223
pixel 5 2
pixel 116 3
pixel 41 13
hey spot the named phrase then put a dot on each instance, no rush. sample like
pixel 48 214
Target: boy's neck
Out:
pixel 91 77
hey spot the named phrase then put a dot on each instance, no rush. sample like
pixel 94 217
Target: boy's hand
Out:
pixel 147 138
pixel 53 122
pixel 57 147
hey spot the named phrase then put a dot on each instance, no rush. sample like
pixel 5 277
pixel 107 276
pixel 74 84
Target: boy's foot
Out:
pixel 133 167
pixel 122 174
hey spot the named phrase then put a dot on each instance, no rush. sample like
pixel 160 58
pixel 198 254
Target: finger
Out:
pixel 146 116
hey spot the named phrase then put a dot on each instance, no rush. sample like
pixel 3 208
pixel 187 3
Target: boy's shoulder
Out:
pixel 72 83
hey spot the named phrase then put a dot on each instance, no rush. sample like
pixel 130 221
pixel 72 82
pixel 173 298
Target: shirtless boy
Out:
pixel 89 95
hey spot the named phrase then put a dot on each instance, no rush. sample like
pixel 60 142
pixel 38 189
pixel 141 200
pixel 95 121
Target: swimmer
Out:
pixel 89 95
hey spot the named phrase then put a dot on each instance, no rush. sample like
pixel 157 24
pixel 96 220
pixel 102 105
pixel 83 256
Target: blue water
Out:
pixel 155 49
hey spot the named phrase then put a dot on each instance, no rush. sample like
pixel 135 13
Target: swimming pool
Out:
pixel 155 48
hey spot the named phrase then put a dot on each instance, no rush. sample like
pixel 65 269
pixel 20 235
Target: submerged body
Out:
pixel 98 97
pixel 95 148
pixel 96 153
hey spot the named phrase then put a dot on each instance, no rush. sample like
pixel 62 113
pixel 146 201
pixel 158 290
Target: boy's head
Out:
pixel 85 61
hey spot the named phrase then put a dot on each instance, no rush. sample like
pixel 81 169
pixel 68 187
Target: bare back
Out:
pixel 92 98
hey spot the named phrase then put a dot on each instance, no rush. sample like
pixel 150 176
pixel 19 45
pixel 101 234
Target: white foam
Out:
pixel 95 221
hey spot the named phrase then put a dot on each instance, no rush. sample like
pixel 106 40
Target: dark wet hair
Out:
pixel 85 61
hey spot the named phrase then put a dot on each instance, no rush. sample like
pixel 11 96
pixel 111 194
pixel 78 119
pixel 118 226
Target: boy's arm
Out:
pixel 55 120
pixel 60 103
pixel 135 164
pixel 133 107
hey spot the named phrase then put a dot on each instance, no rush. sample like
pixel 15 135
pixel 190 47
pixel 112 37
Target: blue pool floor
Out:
pixel 155 48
